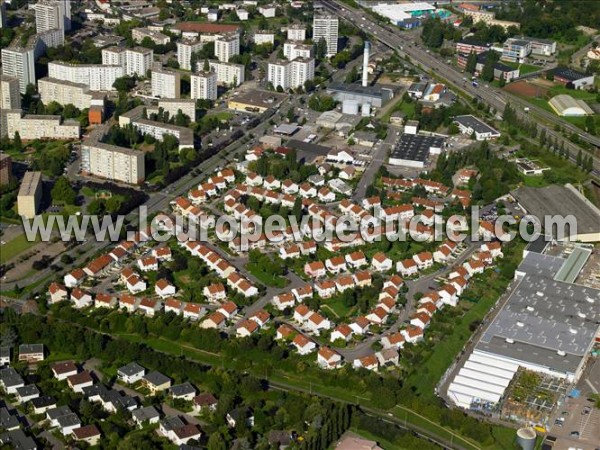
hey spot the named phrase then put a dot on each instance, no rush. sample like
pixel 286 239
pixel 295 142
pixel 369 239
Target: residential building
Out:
pixel 30 195
pixel 185 50
pixel 52 14
pixel 542 47
pixel 98 77
pixel 227 46
pixel 228 74
pixel 31 353
pixel 295 49
pixel 138 61
pixel 174 105
pixel 516 50
pixel 291 74
pixel 32 127
pixel 6 175
pixel 112 162
pixel 296 32
pixel 326 27
pixel 166 84
pixel 139 34
pixel 204 86
pixel 264 37
pixel 19 62
pixel 64 93
pixel 10 98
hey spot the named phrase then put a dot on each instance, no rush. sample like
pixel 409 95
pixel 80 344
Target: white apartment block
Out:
pixel 204 86
pixel 227 46
pixel 172 106
pixel 138 61
pixel 264 37
pixel 64 93
pixel 32 126
pixel 326 27
pixel 296 32
pixel 296 49
pixel 112 162
pixel 97 76
pixel 228 74
pixel 291 74
pixel 44 40
pixel 10 96
pixel 166 84
pixel 52 14
pixel 19 63
pixel 138 35
pixel 113 56
pixel 185 49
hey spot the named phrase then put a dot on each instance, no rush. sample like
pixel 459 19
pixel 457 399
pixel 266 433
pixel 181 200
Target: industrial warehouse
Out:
pixel 548 325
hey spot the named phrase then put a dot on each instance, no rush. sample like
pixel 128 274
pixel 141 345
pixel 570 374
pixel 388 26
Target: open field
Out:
pixel 526 89
pixel 15 247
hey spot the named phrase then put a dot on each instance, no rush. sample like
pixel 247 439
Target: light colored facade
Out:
pixel 296 32
pixel 112 162
pixel 185 49
pixel 30 194
pixel 227 46
pixel 172 106
pixel 166 84
pixel 98 77
pixel 138 61
pixel 293 50
pixel 326 27
pixel 278 74
pixel 516 50
pixel 204 86
pixel 53 14
pixel 10 98
pixel 229 74
pixel 291 74
pixel 19 63
pixel 138 35
pixel 113 56
pixel 64 93
pixel 31 126
pixel 264 37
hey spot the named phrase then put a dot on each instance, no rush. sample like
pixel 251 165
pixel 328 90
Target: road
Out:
pixel 406 45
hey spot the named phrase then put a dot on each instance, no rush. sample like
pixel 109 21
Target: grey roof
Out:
pixel 68 420
pixel 182 389
pixel 238 413
pixel 43 401
pixel 172 423
pixel 18 440
pixel 118 399
pixel 559 200
pixel 377 91
pixel 55 413
pixel 10 377
pixel 93 390
pixel 5 352
pixel 131 369
pixel 31 348
pixel 420 86
pixel 415 147
pixel 8 418
pixel 145 414
pixel 538 245
pixel 543 317
pixel 568 74
pixel 156 378
pixel 573 265
pixel 26 391
pixel 475 124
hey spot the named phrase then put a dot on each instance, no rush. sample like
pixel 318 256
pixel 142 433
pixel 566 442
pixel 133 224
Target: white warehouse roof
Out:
pixel 565 105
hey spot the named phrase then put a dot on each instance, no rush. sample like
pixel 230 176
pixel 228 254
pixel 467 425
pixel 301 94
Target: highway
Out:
pixel 405 44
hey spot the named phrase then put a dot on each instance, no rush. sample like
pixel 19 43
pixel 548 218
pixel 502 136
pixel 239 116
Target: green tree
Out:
pixel 352 75
pixel 206 66
pixel 63 192
pixel 95 207
pixel 321 51
pixel 216 442
pixel 17 144
pixel 113 204
pixel 471 62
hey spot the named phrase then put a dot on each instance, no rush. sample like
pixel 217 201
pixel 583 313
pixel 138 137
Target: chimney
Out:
pixel 365 72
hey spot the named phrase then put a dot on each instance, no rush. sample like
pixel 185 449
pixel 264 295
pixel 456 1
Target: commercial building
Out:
pixel 567 106
pixel 291 74
pixel 19 62
pixel 470 124
pixel 64 93
pixel 166 84
pixel 413 150
pixel 98 77
pixel 227 46
pixel 400 13
pixel 228 74
pixel 5 169
pixel 376 95
pixel 296 49
pixel 255 101
pixel 139 34
pixel 52 14
pixel 264 37
pixel 31 126
pixel 109 161
pixel 173 105
pixel 10 98
pixel 572 78
pixel 516 50
pixel 542 47
pixel 30 195
pixel 326 27
pixel 296 32
pixel 204 86
pixel 185 50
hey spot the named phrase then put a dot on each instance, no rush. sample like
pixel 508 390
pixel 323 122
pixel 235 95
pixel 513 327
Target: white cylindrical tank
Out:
pixel 526 438
pixel 366 109
pixel 350 107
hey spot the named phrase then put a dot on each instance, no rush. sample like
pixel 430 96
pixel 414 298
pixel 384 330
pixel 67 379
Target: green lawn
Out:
pixel 15 247
pixel 266 278
pixel 524 69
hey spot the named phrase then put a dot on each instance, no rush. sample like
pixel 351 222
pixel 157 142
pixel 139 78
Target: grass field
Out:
pixel 15 247
pixel 524 69
pixel 265 277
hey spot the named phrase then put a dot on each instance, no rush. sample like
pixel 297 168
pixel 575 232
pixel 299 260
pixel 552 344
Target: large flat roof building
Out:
pixel 472 125
pixel 30 194
pixel 413 150
pixel 567 106
pixel 376 96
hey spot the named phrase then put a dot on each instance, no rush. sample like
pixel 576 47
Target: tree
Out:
pixel 17 144
pixel 216 442
pixel 95 207
pixel 124 84
pixel 290 116
pixel 471 62
pixel 321 51
pixel 352 75
pixel 579 158
pixel 63 192
pixel 321 103
pixel 206 66
pixel 487 72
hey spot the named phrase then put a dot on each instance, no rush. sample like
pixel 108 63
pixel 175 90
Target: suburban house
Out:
pixel 303 344
pixel 156 382
pixel 204 401
pixel 63 370
pixel 328 358
pixel 131 373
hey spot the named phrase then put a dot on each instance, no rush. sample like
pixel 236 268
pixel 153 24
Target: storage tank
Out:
pixel 366 109
pixel 526 438
pixel 350 107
